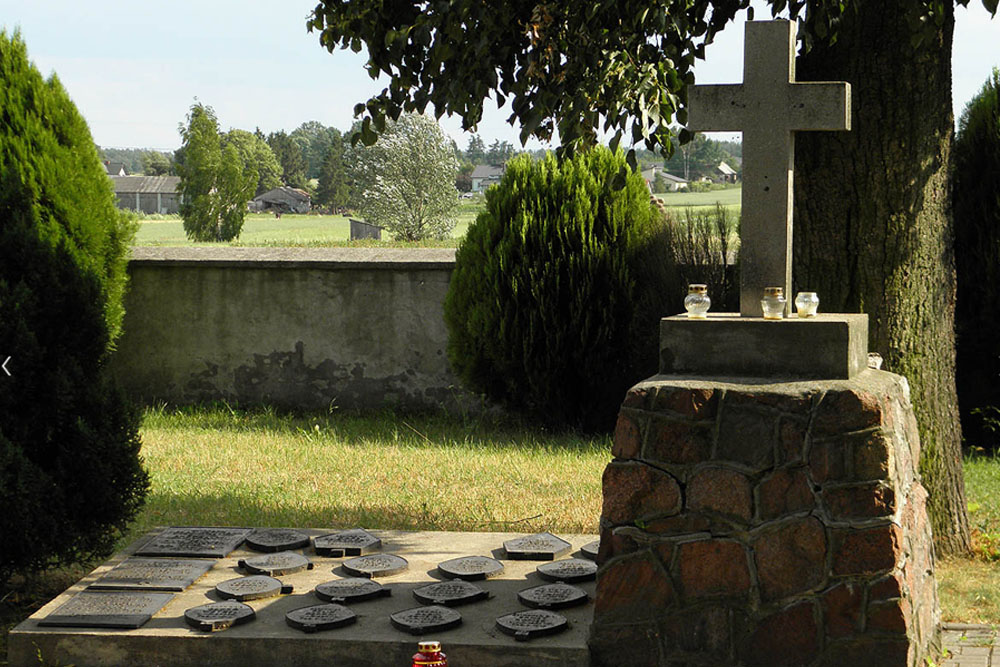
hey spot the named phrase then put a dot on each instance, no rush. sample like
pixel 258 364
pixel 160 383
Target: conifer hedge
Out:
pixel 70 473
pixel 977 259
pixel 559 285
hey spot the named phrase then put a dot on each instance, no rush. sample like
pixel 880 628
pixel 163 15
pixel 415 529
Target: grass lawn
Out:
pixel 293 230
pixel 730 198
pixel 970 587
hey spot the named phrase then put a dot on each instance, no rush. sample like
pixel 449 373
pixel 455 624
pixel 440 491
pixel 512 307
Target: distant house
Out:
pixel 115 168
pixel 674 183
pixel 725 173
pixel 148 194
pixel 282 200
pixel 485 175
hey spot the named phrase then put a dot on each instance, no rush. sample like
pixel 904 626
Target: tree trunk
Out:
pixel 873 231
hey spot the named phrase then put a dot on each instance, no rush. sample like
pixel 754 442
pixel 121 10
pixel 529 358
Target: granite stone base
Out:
pixel 768 524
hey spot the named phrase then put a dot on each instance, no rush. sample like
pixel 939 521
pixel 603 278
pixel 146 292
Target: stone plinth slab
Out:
pixel 167 641
pixel 725 345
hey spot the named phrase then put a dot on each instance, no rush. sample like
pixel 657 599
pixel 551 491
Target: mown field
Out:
pixel 334 230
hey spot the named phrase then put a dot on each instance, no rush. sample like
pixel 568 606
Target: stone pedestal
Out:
pixel 824 347
pixel 765 524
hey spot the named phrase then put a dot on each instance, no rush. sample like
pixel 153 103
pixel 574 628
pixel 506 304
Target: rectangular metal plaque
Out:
pixel 195 542
pixel 153 574
pixel 108 609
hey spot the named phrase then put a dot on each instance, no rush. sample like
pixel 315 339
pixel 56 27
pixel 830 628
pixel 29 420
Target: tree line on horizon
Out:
pixel 311 158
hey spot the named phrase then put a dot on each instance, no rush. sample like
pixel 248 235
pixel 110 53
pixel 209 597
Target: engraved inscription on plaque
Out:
pixel 450 593
pixel 320 617
pixel 426 619
pixel 589 550
pixel 276 565
pixel 195 542
pixel 471 568
pixel 541 546
pixel 376 565
pixel 219 615
pixel 352 589
pixel 355 542
pixel 153 574
pixel 251 588
pixel 571 569
pixel 108 609
pixel 552 596
pixel 524 625
pixel 270 540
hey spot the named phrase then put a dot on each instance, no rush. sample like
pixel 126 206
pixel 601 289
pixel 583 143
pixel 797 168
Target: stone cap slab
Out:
pixel 824 347
pixel 319 258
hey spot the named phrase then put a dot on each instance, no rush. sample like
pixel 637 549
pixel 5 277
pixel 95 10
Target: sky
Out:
pixel 134 68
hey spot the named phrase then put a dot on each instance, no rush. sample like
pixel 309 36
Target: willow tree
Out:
pixel 872 206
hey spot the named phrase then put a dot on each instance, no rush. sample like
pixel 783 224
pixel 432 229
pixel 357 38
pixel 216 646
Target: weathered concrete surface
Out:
pixel 295 327
pixel 824 347
pixel 371 642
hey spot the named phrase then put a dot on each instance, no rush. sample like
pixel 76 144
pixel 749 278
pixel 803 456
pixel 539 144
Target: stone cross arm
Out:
pixel 802 106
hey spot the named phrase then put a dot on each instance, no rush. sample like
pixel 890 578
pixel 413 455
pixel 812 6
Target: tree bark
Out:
pixel 873 230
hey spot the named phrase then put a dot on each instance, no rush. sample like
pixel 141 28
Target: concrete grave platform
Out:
pixel 167 641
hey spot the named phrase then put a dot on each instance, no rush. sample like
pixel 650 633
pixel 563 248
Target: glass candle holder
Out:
pixel 773 303
pixel 806 304
pixel 697 302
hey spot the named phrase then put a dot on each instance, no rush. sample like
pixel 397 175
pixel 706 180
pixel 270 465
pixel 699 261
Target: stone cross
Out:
pixel 768 107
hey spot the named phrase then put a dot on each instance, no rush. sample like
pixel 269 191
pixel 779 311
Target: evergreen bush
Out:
pixel 70 474
pixel 977 259
pixel 558 289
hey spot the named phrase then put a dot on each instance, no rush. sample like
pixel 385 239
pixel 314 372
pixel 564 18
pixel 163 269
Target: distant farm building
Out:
pixel 148 194
pixel 725 173
pixel 674 183
pixel 115 168
pixel 282 200
pixel 485 175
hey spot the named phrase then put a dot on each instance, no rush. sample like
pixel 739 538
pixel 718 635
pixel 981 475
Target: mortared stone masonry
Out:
pixel 765 524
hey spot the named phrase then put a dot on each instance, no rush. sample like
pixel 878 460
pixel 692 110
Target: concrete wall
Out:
pixel 299 327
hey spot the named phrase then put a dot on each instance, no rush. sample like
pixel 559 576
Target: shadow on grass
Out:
pixel 433 428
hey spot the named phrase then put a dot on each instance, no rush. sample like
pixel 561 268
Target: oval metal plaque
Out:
pixel 450 593
pixel 355 542
pixel 553 596
pixel 256 587
pixel 471 568
pixel 590 549
pixel 219 615
pixel 422 620
pixel 571 569
pixel 270 540
pixel 320 617
pixel 352 589
pixel 525 625
pixel 275 565
pixel 376 565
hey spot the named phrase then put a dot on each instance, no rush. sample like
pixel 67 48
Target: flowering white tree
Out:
pixel 407 179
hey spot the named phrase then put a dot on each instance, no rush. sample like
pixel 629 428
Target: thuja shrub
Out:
pixel 70 473
pixel 558 289
pixel 977 259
